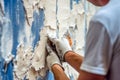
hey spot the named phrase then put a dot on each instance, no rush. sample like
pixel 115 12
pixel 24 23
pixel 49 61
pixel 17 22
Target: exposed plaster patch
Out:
pixel 32 74
pixel 63 12
pixel 30 6
pixel 38 61
pixel 22 63
pixel 50 14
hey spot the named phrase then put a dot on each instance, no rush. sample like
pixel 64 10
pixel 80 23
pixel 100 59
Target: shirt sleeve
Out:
pixel 98 51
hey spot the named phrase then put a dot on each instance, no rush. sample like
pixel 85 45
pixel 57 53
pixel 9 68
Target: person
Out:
pixel 102 48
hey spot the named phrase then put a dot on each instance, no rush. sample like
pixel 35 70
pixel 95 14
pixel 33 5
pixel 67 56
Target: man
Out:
pixel 102 51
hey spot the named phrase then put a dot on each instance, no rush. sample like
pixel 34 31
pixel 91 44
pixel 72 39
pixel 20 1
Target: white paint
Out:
pixel 63 12
pixel 29 11
pixel 22 63
pixel 50 14
pixel 32 74
pixel 6 40
pixel 38 61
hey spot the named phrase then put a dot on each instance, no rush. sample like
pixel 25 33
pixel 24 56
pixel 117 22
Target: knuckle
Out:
pixel 57 41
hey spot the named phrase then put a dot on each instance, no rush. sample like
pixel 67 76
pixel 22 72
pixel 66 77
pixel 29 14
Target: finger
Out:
pixel 66 40
pixel 69 40
pixel 53 40
pixel 49 50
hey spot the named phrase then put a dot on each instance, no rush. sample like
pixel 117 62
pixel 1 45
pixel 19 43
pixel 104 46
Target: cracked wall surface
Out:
pixel 24 25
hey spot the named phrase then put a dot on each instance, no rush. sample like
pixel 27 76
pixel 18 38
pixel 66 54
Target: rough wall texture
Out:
pixel 24 25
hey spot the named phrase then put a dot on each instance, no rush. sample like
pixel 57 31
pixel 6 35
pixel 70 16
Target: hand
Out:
pixel 62 46
pixel 52 58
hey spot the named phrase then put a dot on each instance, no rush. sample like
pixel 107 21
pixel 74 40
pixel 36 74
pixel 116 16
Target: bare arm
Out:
pixel 89 76
pixel 75 60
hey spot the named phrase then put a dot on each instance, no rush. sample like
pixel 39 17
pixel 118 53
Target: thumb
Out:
pixel 53 39
pixel 65 40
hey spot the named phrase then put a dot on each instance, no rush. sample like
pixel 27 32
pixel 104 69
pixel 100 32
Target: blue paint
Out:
pixel 1 67
pixel 1 59
pixel 71 4
pixel 49 76
pixel 77 1
pixel 5 75
pixel 15 12
pixel 1 28
pixel 13 9
pixel 37 25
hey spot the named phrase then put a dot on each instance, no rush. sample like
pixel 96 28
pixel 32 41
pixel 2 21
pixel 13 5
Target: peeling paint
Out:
pixel 30 62
pixel 22 62
pixel 40 17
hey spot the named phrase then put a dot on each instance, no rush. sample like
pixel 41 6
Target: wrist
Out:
pixel 67 54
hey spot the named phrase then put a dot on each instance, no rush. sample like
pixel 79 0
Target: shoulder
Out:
pixel 100 21
pixel 106 15
pixel 102 16
pixel 107 18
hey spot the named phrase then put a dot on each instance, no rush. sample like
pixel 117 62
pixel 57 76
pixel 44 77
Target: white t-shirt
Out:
pixel 102 53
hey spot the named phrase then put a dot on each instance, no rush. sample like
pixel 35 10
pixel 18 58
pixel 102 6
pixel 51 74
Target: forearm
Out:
pixel 59 73
pixel 75 60
pixel 90 76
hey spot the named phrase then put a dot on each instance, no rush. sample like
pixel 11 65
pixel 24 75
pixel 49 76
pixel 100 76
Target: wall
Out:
pixel 24 25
